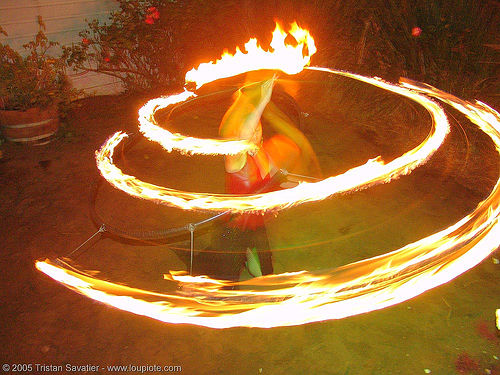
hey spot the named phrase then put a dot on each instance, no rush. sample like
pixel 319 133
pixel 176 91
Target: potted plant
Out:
pixel 33 90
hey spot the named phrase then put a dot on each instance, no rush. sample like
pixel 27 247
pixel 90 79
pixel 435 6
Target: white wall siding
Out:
pixel 64 19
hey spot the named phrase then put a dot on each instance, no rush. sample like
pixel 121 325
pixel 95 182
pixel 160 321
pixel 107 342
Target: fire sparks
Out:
pixel 300 297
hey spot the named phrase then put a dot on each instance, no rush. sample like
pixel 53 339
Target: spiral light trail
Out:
pixel 301 297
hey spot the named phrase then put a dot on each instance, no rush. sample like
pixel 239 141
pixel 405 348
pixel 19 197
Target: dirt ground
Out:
pixel 45 214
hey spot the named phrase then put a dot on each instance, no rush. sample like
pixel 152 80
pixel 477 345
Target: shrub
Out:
pixel 36 80
pixel 449 44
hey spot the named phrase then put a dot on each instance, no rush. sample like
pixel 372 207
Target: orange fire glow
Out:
pixel 299 297
pixel 284 57
pixel 373 172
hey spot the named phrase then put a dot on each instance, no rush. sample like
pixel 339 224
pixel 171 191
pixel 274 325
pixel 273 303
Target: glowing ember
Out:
pixel 302 297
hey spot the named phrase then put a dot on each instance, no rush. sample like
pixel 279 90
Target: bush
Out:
pixel 133 46
pixel 150 44
pixel 36 80
pixel 447 43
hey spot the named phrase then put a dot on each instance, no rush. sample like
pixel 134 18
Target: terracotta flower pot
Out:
pixel 34 125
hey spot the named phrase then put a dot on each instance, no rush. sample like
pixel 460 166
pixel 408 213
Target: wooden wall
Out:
pixel 64 19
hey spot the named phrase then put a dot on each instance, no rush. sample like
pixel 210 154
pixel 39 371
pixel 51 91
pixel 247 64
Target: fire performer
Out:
pixel 243 237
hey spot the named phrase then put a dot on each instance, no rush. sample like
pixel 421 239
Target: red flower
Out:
pixel 152 15
pixel 416 31
pixel 153 12
pixel 107 59
pixel 85 41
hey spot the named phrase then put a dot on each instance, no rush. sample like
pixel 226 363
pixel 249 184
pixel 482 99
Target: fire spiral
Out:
pixel 298 297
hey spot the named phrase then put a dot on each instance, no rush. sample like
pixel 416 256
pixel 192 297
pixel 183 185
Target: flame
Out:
pixel 189 145
pixel 303 297
pixel 285 57
pixel 298 297
pixel 373 172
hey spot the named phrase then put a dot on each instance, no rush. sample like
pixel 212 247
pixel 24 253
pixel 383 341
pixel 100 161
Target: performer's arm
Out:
pixel 242 120
pixel 306 162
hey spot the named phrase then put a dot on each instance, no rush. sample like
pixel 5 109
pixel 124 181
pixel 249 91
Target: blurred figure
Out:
pixel 243 237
